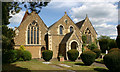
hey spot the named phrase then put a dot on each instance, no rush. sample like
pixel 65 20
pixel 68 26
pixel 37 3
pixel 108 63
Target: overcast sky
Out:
pixel 103 15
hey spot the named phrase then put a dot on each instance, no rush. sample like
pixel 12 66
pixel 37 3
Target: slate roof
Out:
pixel 79 24
pixel 66 37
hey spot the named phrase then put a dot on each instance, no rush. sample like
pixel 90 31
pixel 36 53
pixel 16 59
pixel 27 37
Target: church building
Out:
pixel 60 37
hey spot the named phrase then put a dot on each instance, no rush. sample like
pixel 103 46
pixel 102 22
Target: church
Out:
pixel 60 37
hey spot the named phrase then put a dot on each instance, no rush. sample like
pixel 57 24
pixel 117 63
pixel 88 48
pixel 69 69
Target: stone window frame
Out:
pixel 69 28
pixel 90 34
pixel 59 29
pixel 65 21
pixel 36 26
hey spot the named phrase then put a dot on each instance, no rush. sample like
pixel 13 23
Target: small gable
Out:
pixel 84 24
pixel 79 24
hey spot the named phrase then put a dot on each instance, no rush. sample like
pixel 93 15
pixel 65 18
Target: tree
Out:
pixel 15 7
pixel 106 43
pixel 92 46
pixel 112 44
pixel 118 41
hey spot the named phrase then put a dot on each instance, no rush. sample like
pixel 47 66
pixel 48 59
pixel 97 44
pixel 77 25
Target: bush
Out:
pixel 22 47
pixel 26 55
pixel 88 57
pixel 72 54
pixel 112 61
pixel 118 41
pixel 47 55
pixel 84 38
pixel 112 44
pixel 9 56
pixel 92 46
pixel 114 49
pixel 19 55
pixel 97 51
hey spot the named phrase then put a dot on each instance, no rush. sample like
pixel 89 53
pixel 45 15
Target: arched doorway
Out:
pixel 74 45
pixel 42 49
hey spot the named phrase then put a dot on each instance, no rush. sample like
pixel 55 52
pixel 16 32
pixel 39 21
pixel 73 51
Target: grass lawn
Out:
pixel 36 65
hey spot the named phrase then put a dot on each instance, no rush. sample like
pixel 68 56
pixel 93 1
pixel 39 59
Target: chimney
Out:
pixel 118 29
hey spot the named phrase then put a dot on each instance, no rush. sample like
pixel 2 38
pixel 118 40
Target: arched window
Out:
pixel 33 33
pixel 71 29
pixel 88 36
pixel 37 35
pixel 61 30
pixel 28 35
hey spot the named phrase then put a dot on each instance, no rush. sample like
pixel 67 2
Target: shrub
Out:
pixel 47 55
pixel 118 41
pixel 114 49
pixel 92 46
pixel 10 56
pixel 26 55
pixel 97 51
pixel 84 38
pixel 22 47
pixel 72 54
pixel 112 44
pixel 88 57
pixel 112 61
pixel 19 55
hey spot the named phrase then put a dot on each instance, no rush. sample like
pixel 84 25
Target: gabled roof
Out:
pixel 79 24
pixel 25 15
pixel 60 19
pixel 66 37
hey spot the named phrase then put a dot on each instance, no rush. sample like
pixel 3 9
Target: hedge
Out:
pixel 26 55
pixel 73 54
pixel 97 51
pixel 47 55
pixel 112 61
pixel 88 57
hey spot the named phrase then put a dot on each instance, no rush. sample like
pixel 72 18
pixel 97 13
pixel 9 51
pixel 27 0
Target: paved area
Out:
pixel 64 65
pixel 98 64
pixel 95 64
pixel 46 62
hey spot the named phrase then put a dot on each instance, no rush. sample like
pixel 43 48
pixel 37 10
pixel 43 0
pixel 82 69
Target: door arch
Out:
pixel 74 45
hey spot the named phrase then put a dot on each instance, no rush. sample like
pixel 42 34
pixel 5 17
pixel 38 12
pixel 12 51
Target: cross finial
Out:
pixel 65 12
pixel 86 16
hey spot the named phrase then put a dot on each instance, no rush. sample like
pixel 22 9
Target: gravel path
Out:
pixel 98 64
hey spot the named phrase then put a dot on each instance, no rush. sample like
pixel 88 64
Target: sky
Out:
pixel 103 15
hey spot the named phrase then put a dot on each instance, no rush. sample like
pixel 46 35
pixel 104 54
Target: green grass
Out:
pixel 99 60
pixel 38 65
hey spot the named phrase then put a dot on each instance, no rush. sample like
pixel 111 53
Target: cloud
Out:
pixel 106 29
pixel 62 4
pixel 85 0
pixel 16 19
pixel 104 16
